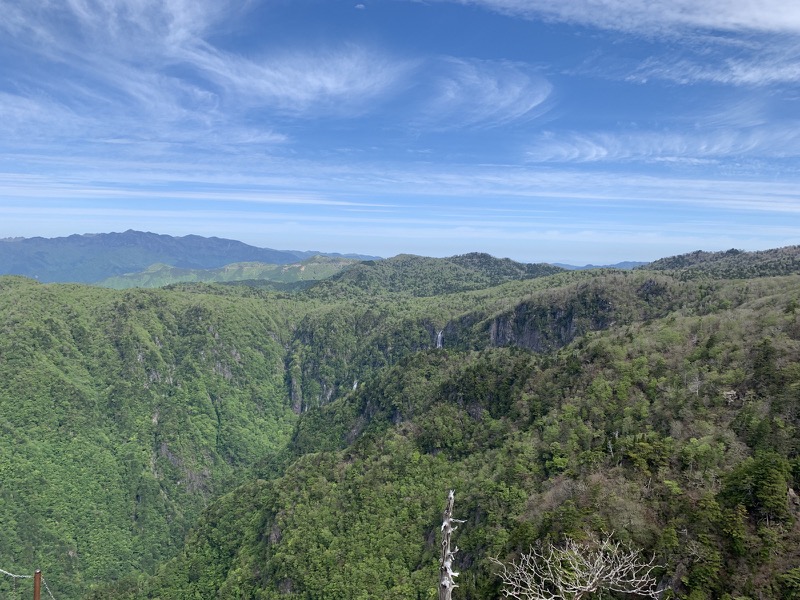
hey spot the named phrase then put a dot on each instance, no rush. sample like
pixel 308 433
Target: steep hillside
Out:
pixel 121 416
pixel 342 342
pixel 662 409
pixel 160 275
pixel 677 431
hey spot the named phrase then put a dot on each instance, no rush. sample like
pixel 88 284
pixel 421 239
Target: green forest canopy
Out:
pixel 203 441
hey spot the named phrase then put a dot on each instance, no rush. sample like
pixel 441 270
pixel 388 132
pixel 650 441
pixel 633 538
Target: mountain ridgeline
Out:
pixel 215 441
pixel 422 276
pixel 285 277
pixel 92 258
pixel 732 264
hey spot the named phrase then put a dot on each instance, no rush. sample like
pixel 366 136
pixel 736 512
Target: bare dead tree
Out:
pixel 578 569
pixel 446 574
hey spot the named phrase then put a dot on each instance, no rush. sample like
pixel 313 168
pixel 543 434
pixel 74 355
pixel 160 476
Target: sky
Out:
pixel 573 131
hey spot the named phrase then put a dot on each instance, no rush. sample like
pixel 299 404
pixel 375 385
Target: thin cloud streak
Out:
pixel 765 33
pixel 693 148
pixel 360 186
pixel 427 222
pixel 62 191
pixel 653 16
pixel 148 74
pixel 768 68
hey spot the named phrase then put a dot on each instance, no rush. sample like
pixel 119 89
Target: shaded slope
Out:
pixel 340 343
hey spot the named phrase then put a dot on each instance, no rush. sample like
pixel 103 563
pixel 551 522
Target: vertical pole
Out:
pixel 37 585
pixel 446 574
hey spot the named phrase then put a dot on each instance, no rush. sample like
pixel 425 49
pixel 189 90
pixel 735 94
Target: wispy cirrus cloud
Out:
pixel 691 147
pixel 103 68
pixel 773 62
pixel 482 93
pixel 145 70
pixel 149 71
pixel 379 184
pixel 653 16
pixel 72 25
pixel 729 42
pixel 540 213
pixel 21 115
pixel 343 80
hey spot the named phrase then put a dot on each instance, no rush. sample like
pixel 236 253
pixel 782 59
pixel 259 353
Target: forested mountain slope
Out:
pixel 664 410
pixel 159 275
pixel 122 415
pixel 420 276
pixel 731 264
pixel 672 423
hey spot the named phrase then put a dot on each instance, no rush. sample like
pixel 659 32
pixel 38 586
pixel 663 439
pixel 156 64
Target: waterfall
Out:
pixel 440 339
pixel 355 384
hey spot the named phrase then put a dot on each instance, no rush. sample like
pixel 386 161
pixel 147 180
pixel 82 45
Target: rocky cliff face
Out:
pixel 542 328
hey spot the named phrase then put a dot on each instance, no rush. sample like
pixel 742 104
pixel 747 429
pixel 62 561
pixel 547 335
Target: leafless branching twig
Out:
pixel 577 569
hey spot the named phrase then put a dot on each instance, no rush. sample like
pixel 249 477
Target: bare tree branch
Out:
pixel 578 569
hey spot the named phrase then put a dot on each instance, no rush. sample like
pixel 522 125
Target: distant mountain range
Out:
pixel 91 258
pixel 143 259
pixel 628 264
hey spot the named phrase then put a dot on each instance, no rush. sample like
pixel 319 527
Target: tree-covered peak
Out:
pixel 420 276
pixel 731 264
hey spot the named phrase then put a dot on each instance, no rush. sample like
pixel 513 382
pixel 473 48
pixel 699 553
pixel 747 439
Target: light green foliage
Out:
pixel 663 410
pixel 789 584
pixel 259 274
pixel 732 264
pixel 122 415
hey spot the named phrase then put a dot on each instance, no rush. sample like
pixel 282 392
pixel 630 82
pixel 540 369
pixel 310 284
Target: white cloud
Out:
pixel 369 185
pixel 694 147
pixel 131 30
pixel 22 116
pixel 385 208
pixel 341 81
pixel 143 70
pixel 659 15
pixel 477 93
pixel 774 62
pixel 729 42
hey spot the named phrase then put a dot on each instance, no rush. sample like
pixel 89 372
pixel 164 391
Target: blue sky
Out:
pixel 543 130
